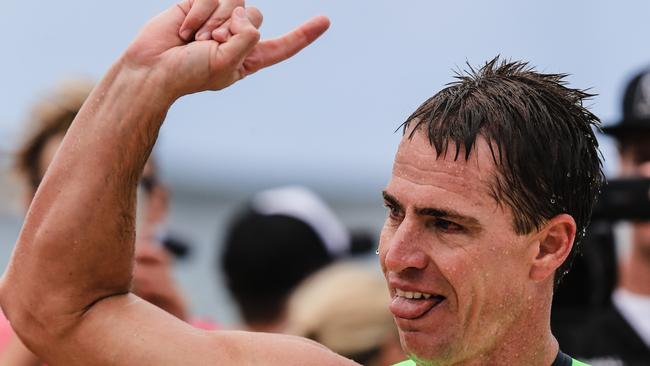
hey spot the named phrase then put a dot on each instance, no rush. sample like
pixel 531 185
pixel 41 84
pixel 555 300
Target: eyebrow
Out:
pixel 434 212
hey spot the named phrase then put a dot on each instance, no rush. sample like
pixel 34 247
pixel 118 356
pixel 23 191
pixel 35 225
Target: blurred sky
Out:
pixel 327 117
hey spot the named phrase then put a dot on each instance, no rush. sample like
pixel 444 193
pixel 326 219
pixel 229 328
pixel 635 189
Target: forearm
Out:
pixel 16 354
pixel 76 245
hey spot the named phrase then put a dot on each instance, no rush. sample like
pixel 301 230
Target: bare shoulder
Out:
pixel 277 349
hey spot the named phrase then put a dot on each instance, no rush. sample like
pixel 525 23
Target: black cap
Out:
pixel 280 238
pixel 636 108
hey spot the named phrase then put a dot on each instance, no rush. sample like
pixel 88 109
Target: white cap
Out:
pixel 302 204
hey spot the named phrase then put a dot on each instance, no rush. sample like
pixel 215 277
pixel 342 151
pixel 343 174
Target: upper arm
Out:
pixel 125 330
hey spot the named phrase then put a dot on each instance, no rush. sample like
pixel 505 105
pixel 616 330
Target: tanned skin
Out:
pixel 66 290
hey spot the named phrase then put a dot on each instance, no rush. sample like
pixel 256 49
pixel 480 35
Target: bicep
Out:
pixel 126 330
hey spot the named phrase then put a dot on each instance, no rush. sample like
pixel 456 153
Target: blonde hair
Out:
pixel 50 116
pixel 344 307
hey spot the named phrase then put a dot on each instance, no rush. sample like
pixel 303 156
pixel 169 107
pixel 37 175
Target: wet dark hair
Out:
pixel 540 136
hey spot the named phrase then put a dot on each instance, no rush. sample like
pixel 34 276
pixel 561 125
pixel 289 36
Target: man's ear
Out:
pixel 554 244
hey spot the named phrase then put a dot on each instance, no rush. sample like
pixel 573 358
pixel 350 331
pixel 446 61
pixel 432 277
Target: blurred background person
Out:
pixel 153 280
pixel 614 328
pixel 282 236
pixel 345 307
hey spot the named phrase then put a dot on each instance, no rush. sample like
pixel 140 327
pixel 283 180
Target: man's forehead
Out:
pixel 419 159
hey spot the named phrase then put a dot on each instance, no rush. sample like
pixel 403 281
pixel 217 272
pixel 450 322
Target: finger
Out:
pixel 222 34
pixel 218 18
pixel 245 37
pixel 272 51
pixel 199 12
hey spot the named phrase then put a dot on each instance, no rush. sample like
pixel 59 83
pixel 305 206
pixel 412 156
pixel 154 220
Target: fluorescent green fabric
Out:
pixel 411 363
pixel 578 363
pixel 405 363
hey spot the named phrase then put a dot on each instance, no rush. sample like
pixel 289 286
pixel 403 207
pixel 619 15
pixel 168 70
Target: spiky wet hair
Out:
pixel 540 136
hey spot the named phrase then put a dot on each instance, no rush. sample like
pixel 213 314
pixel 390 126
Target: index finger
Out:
pixel 272 51
pixel 198 13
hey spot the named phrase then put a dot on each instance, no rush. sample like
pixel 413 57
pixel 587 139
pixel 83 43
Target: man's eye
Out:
pixel 393 212
pixel 446 225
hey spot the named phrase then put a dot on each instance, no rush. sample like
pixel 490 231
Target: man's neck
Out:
pixel 528 341
pixel 635 272
pixel 523 349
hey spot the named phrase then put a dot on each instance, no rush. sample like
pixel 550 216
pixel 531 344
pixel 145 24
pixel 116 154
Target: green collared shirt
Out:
pixel 560 360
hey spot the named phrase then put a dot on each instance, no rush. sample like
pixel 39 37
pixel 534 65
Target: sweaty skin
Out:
pixel 446 236
pixel 66 290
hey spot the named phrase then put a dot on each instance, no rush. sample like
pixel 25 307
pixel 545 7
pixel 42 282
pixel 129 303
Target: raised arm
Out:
pixel 66 290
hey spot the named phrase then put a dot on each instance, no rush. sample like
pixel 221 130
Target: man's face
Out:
pixel 446 237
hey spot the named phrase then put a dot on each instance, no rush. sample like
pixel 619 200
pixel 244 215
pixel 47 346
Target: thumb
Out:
pixel 245 38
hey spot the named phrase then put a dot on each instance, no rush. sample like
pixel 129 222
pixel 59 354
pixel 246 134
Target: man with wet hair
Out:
pixel 492 187
pixel 492 183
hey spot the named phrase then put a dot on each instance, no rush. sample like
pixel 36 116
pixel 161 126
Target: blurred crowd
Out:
pixel 289 263
pixel 292 267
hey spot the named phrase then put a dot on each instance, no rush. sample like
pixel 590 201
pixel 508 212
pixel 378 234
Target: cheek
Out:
pixel 488 278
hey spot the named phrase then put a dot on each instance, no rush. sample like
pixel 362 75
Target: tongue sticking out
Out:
pixel 412 308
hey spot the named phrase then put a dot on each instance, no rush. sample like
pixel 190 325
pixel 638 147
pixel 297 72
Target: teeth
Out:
pixel 412 294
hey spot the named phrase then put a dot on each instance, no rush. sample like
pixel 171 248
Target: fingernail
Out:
pixel 203 36
pixel 219 35
pixel 240 12
pixel 185 34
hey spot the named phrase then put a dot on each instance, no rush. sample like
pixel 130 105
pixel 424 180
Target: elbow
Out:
pixel 31 317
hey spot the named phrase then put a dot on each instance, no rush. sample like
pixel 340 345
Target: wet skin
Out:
pixel 446 235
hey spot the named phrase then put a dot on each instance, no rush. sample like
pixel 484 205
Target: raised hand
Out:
pixel 208 64
pixel 85 206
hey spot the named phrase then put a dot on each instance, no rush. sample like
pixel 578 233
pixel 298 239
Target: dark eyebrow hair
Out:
pixel 392 200
pixel 445 213
pixel 434 212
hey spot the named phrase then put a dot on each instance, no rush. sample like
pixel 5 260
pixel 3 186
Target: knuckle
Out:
pixel 185 6
pixel 215 21
pixel 252 33
pixel 252 64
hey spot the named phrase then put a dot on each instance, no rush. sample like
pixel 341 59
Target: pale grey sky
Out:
pixel 326 118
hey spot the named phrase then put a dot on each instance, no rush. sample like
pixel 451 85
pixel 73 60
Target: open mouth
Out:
pixel 413 304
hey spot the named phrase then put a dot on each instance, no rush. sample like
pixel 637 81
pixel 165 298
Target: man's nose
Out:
pixel 405 249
